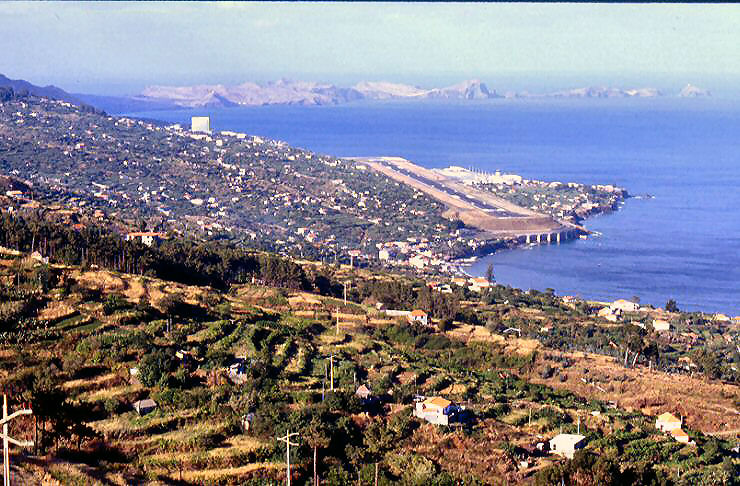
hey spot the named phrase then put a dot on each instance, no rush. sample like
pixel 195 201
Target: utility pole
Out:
pixel 345 293
pixel 7 439
pixel 288 443
pixel 331 372
pixel 337 321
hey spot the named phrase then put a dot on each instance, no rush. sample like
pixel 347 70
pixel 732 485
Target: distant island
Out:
pixel 310 93
pixel 285 92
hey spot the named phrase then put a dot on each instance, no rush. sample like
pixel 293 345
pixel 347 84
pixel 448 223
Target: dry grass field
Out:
pixel 710 407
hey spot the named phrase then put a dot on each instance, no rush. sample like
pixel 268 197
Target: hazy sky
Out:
pixel 121 47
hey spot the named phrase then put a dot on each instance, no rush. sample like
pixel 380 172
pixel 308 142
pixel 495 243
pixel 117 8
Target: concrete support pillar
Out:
pixel 528 236
pixel 557 238
pixel 549 238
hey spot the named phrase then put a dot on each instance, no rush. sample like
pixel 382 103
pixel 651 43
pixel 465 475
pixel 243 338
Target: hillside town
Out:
pixel 226 185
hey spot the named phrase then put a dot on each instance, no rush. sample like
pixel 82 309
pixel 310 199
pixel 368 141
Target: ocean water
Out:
pixel 683 244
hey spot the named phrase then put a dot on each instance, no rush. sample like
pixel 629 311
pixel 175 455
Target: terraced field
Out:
pixel 231 371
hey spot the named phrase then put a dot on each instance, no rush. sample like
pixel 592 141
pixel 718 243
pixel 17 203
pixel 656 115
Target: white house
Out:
pixel 570 300
pixel 680 436
pixel 478 284
pixel 610 314
pixel 625 305
pixel 661 325
pixel 667 422
pixel 566 444
pixel 398 313
pixel 419 261
pixel 419 317
pixel 433 410
pixel 147 238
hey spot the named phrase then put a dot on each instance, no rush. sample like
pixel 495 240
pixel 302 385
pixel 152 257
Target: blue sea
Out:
pixel 682 244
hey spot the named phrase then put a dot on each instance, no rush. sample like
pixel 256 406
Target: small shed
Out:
pixel 363 392
pixel 237 370
pixel 145 406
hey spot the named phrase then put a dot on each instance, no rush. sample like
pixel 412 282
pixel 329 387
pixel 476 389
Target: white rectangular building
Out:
pixel 566 444
pixel 200 124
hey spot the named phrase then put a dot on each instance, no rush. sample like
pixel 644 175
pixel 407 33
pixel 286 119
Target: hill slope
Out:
pixel 228 184
pixel 50 91
pixel 230 371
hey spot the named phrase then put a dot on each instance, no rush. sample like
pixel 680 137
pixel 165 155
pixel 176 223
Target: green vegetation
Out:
pixel 75 371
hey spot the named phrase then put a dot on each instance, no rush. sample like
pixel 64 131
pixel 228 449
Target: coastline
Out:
pixel 495 246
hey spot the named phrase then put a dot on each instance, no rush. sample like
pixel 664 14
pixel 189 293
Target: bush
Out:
pixel 547 372
pixel 154 367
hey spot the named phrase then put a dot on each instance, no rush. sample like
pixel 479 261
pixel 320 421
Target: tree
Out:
pixel 378 440
pixel 489 273
pixel 671 306
pixel 317 435
pixel 708 362
pixel 76 426
pixel 154 367
pixel 45 397
pixel 356 456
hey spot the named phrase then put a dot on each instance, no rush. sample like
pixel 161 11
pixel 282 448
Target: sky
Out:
pixel 119 47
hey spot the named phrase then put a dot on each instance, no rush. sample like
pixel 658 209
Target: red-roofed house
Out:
pixel 419 317
pixel 433 410
pixel 680 436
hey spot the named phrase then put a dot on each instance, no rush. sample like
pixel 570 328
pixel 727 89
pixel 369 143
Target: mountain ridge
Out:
pixel 49 91
pixel 312 93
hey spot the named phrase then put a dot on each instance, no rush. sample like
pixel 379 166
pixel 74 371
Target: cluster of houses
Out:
pixel 423 254
pixel 414 252
pixel 616 311
pixel 440 411
pixel 474 284
pixel 239 195
pixel 570 201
